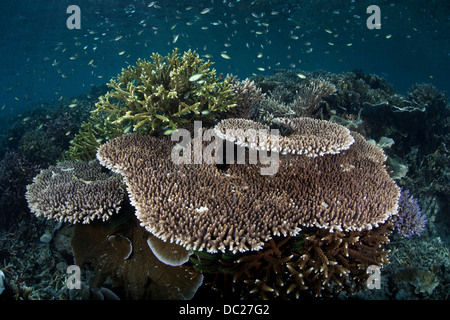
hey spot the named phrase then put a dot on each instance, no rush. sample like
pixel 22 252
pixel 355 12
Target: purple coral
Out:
pixel 410 220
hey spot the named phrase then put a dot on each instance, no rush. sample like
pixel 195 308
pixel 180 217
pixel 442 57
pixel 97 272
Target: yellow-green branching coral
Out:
pixel 165 93
pixel 156 96
pixel 97 130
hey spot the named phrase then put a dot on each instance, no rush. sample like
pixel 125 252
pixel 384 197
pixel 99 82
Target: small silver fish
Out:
pixel 205 11
pixel 195 77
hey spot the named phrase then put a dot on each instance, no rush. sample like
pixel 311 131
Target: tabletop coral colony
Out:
pixel 204 206
pixel 182 179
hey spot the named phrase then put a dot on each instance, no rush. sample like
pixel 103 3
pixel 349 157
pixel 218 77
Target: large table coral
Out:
pixel 202 207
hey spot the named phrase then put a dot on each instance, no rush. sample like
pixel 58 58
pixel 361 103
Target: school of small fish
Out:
pixel 234 34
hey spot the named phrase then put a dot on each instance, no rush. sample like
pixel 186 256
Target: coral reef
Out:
pixel 355 89
pixel 117 255
pixel 75 192
pixel 156 97
pixel 179 203
pixel 315 263
pixel 140 273
pixel 43 132
pixel 33 269
pixel 424 282
pixel 15 173
pixel 410 220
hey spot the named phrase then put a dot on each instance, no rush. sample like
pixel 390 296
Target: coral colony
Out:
pixel 310 227
pixel 410 220
pixel 168 188
pixel 155 97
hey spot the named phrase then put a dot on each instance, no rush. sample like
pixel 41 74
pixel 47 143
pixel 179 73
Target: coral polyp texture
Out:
pixel 236 209
pixel 157 96
pixel 310 137
pixel 410 220
pixel 75 192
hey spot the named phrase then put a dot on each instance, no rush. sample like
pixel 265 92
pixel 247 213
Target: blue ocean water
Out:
pixel 42 60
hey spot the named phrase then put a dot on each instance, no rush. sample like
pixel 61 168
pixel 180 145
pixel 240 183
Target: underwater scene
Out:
pixel 222 150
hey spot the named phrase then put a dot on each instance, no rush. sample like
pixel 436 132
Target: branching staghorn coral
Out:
pixel 315 263
pixel 91 135
pixel 410 220
pixel 167 92
pixel 249 94
pixel 155 96
pixel 305 104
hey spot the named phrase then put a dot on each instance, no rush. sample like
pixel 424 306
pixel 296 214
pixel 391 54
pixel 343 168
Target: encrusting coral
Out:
pixel 139 272
pixel 75 192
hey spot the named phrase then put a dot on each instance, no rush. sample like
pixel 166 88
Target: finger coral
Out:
pixel 315 263
pixel 75 192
